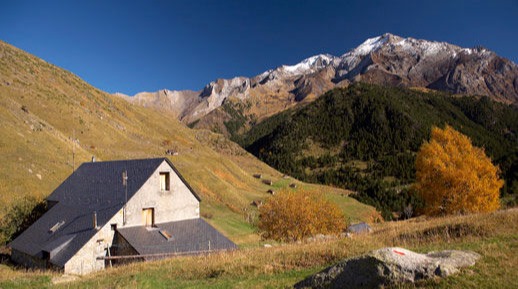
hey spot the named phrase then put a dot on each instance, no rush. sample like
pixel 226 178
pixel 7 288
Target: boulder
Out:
pixel 359 228
pixel 389 266
pixel 268 182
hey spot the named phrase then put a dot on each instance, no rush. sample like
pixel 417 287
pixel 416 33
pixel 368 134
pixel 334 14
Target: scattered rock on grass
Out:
pixel 268 182
pixel 257 203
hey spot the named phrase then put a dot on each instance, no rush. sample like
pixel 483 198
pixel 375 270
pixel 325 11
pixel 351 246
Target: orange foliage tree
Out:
pixel 453 176
pixel 292 216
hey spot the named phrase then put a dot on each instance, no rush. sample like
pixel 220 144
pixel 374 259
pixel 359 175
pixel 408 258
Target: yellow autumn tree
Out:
pixel 453 176
pixel 292 216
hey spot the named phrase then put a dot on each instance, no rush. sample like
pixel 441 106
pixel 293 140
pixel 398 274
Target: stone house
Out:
pixel 117 211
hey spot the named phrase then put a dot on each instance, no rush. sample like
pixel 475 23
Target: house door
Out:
pixel 148 217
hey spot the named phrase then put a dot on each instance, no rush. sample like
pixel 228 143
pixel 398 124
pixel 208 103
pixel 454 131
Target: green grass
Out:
pixel 355 210
pixel 160 280
pixel 283 183
pixel 242 232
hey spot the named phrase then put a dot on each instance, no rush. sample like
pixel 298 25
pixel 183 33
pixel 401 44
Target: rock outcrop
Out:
pixel 389 266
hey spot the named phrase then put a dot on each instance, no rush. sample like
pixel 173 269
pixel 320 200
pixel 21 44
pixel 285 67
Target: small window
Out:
pixel 164 181
pixel 148 217
pixel 114 227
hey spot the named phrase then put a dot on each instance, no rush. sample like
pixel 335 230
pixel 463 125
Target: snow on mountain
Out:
pixel 370 45
pixel 410 45
pixel 310 64
pixel 386 60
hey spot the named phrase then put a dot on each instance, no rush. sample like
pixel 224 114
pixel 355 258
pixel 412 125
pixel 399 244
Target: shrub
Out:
pixel 20 216
pixel 295 215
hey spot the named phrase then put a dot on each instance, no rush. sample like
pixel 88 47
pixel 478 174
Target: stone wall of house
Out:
pixel 174 205
pixel 85 260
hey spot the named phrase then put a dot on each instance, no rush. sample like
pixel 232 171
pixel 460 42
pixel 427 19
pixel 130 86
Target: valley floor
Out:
pixel 494 236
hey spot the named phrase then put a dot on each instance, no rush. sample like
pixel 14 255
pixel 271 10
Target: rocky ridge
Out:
pixel 386 60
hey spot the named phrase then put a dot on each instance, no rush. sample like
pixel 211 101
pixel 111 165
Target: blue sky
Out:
pixel 133 46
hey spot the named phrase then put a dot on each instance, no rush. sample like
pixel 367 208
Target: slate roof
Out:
pixel 188 236
pixel 93 187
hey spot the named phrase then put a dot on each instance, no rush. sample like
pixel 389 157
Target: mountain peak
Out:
pixel 391 38
pixel 309 64
pixel 375 43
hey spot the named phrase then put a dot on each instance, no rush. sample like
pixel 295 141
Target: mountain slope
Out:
pixel 386 60
pixel 52 121
pixel 365 138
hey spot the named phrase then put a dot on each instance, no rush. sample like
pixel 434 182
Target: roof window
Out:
pixel 56 227
pixel 166 234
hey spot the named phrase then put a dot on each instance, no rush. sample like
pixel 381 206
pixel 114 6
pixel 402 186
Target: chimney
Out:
pixel 93 159
pixel 94 220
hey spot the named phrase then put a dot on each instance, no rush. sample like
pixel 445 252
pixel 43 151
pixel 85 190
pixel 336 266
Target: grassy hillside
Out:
pixel 494 236
pixel 52 120
pixel 365 138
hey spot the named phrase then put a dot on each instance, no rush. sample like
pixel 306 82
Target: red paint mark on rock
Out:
pixel 399 253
